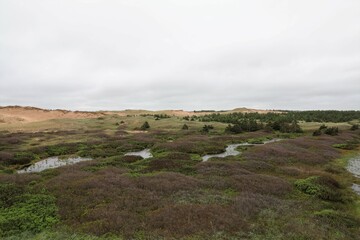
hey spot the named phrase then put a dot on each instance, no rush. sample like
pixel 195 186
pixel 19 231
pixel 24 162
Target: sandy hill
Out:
pixel 11 114
pixel 15 114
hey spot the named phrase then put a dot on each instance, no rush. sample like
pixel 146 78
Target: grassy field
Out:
pixel 311 126
pixel 297 188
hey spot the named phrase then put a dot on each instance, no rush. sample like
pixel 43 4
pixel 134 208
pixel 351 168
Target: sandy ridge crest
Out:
pixel 26 114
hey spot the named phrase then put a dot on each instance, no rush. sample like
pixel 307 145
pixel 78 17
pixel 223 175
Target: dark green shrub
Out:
pixel 31 213
pixel 233 129
pixel 160 116
pixel 56 150
pixel 207 128
pixel 185 127
pixel 346 146
pixel 317 132
pixel 325 188
pixel 22 158
pixel 354 127
pixel 337 219
pixel 8 194
pixel 145 126
pixel 323 126
pixel 332 131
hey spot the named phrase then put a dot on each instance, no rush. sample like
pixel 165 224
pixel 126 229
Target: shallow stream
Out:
pixel 231 149
pixel 52 162
pixel 354 167
pixel 143 153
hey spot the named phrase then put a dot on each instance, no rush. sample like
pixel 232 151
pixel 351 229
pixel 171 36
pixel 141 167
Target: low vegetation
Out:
pixel 296 188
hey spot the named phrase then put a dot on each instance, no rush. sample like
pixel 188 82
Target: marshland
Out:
pixel 291 180
pixel 189 120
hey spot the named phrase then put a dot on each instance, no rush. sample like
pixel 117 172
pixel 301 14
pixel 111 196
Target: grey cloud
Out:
pixel 180 54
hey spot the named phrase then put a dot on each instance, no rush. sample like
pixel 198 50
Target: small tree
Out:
pixel 317 132
pixel 295 127
pixel 145 126
pixel 185 127
pixel 354 127
pixel 322 127
pixel 332 131
pixel 207 128
pixel 233 129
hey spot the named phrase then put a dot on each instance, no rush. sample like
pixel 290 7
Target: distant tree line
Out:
pixel 200 111
pixel 188 118
pixel 289 116
pixel 250 125
pixel 250 122
pixel 286 121
pixel 156 116
pixel 160 116
pixel 325 116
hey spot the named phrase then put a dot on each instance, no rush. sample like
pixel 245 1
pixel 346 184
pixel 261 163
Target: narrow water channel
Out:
pixel 354 167
pixel 143 153
pixel 52 162
pixel 231 149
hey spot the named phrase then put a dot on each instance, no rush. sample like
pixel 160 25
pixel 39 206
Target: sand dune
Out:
pixel 16 114
pixel 12 114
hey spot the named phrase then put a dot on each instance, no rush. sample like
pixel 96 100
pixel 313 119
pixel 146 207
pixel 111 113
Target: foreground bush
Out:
pixel 26 212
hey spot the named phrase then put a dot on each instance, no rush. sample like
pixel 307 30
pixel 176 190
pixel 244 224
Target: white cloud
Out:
pixel 189 54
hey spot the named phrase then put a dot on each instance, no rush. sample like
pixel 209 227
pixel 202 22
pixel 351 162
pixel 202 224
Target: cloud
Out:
pixel 180 54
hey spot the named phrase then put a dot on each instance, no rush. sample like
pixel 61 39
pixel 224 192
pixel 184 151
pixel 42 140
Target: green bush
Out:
pixel 354 127
pixel 56 150
pixel 325 188
pixel 308 186
pixel 29 212
pixel 317 132
pixel 207 128
pixel 8 194
pixel 337 219
pixel 145 126
pixel 332 131
pixel 22 158
pixel 345 146
pixel 185 127
pixel 349 145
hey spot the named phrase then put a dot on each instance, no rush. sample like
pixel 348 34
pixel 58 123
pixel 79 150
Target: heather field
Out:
pixel 179 120
pixel 294 188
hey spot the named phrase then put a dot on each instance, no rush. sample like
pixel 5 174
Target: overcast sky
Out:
pixel 180 54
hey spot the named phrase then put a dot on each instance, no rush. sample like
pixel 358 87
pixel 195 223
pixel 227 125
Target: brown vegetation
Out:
pixel 301 150
pixel 183 220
